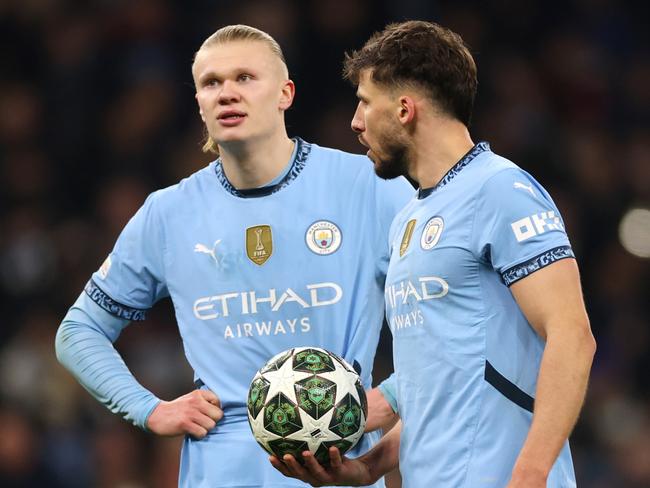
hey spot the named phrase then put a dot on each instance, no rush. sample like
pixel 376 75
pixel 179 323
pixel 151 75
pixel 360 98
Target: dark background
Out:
pixel 97 110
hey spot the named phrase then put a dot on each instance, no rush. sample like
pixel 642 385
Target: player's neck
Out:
pixel 438 147
pixel 254 163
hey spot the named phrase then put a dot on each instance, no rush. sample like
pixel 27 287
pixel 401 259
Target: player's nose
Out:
pixel 228 93
pixel 357 123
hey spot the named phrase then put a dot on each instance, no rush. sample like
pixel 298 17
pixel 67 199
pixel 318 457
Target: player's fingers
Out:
pixel 336 461
pixel 204 422
pixel 197 431
pixel 212 411
pixel 294 467
pixel 292 464
pixel 210 397
pixel 280 466
pixel 312 464
pixel 314 468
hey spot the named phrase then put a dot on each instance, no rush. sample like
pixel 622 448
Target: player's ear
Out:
pixel 287 94
pixel 406 110
pixel 196 97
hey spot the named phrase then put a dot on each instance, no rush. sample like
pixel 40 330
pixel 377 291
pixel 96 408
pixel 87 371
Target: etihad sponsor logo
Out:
pixel 431 233
pixel 252 302
pixel 403 321
pixel 406 238
pixel 536 224
pixel 425 288
pixel 259 243
pixel 262 328
pixel 323 237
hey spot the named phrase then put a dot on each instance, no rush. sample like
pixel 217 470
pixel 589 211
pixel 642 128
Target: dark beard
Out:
pixel 395 163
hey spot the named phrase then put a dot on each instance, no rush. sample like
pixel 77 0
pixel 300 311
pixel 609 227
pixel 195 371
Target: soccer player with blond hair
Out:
pixel 277 243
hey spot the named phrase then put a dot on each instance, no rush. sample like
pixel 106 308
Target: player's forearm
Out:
pixel 86 351
pixel 380 412
pixel 561 387
pixel 384 457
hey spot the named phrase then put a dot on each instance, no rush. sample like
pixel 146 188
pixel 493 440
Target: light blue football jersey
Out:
pixel 251 273
pixel 466 360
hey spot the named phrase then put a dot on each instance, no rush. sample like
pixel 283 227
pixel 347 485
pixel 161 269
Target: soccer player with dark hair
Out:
pixel 492 344
pixel 278 243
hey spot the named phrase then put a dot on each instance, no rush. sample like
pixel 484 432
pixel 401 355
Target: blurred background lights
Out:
pixel 634 232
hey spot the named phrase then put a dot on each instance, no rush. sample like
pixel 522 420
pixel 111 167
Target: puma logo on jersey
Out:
pixel 521 186
pixel 202 248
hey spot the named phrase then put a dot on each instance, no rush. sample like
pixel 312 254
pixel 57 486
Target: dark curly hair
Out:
pixel 422 54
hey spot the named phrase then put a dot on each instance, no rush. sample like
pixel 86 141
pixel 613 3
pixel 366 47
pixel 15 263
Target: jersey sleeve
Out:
pixel 84 345
pixel 131 279
pixel 517 228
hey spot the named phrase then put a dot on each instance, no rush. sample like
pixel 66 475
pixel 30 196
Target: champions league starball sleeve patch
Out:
pixel 105 268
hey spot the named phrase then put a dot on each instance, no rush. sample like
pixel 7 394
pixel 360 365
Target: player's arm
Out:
pixel 84 345
pixel 551 300
pixel 343 471
pixel 382 408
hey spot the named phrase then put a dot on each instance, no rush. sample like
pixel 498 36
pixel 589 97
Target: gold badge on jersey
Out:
pixel 259 243
pixel 406 239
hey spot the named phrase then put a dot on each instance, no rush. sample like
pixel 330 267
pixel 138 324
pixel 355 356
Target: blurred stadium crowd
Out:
pixel 97 110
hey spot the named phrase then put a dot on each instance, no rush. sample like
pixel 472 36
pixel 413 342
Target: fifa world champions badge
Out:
pixel 323 237
pixel 406 238
pixel 259 243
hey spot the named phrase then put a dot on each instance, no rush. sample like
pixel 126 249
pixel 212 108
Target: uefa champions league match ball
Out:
pixel 307 399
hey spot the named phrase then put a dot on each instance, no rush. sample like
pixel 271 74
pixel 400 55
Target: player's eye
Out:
pixel 244 77
pixel 210 82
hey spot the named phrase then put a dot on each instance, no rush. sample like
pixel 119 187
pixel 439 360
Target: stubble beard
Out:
pixel 394 161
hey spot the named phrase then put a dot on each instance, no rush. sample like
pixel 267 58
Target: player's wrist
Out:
pixel 530 472
pixel 371 467
pixel 373 475
pixel 527 479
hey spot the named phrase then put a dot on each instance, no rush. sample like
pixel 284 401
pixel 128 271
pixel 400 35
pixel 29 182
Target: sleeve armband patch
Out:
pixel 540 261
pixel 113 307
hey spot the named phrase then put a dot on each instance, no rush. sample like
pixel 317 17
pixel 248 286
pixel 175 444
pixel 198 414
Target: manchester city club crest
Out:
pixel 323 237
pixel 431 233
pixel 259 243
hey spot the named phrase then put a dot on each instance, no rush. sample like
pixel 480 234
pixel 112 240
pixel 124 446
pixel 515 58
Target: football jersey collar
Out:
pixel 455 169
pixel 301 151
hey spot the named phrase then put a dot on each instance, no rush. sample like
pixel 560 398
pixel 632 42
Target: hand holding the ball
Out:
pixel 195 413
pixel 342 471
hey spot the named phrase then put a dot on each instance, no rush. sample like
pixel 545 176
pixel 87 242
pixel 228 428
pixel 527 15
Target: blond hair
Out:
pixel 231 33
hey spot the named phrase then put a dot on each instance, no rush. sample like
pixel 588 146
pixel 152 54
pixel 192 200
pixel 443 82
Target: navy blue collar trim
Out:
pixel 455 169
pixel 299 162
